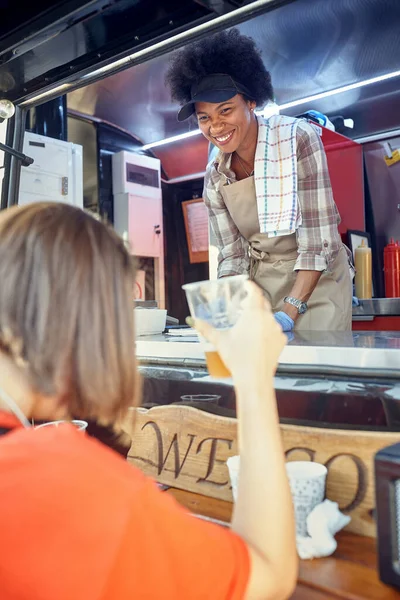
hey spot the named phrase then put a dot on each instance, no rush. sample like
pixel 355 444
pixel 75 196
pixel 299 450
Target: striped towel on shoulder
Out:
pixel 275 176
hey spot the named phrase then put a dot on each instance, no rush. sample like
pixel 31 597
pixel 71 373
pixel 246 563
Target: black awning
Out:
pixel 49 43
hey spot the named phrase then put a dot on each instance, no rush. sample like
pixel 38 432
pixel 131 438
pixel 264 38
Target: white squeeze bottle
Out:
pixel 363 265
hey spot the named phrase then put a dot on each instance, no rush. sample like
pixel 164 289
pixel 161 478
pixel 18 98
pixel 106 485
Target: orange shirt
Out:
pixel 77 522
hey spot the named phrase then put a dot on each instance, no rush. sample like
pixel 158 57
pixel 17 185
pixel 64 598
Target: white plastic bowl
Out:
pixel 150 321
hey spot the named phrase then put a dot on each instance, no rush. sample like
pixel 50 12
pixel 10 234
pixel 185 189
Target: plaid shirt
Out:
pixel 318 238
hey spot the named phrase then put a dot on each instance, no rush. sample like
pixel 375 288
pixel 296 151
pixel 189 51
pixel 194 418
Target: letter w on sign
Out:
pixel 161 459
pixel 186 448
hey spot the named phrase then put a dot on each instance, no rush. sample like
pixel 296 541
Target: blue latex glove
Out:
pixel 355 301
pixel 284 321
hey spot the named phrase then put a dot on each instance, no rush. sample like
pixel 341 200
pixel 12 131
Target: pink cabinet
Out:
pixel 139 221
pixel 145 226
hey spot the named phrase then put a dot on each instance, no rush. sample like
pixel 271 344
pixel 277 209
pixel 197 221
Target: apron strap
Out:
pixel 255 257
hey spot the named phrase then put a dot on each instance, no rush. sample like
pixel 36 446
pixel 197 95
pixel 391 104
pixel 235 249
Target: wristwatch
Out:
pixel 301 306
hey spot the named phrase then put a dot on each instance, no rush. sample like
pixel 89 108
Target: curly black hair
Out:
pixel 227 52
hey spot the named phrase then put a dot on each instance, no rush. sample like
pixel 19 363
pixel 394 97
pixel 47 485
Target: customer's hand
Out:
pixel 253 346
pixel 284 321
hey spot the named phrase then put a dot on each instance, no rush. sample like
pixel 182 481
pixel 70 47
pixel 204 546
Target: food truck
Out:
pixel 88 119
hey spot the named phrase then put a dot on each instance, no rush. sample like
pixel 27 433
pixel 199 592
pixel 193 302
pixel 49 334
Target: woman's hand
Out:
pixel 253 346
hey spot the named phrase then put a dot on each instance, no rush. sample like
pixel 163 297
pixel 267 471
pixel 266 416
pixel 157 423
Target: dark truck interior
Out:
pixel 93 73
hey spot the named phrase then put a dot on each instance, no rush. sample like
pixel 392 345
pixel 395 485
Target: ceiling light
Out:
pixel 107 68
pixel 341 90
pixel 7 109
pixel 171 140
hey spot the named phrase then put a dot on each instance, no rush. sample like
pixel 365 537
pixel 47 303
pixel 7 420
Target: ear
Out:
pixel 252 105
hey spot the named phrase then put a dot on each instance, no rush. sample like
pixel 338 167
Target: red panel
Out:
pixel 378 324
pixel 185 157
pixel 345 163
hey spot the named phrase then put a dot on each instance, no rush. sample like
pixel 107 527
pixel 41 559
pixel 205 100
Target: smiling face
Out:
pixel 230 125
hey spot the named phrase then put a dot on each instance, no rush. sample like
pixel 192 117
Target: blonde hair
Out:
pixel 66 307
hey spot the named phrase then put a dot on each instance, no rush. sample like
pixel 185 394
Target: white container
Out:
pixel 307 482
pixel 149 321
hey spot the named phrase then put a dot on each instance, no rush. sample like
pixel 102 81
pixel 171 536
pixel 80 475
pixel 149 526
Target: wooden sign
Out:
pixel 195 215
pixel 186 448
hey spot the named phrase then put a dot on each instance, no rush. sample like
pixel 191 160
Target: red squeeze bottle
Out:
pixel 391 267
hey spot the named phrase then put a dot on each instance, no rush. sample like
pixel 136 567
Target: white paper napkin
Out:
pixel 323 523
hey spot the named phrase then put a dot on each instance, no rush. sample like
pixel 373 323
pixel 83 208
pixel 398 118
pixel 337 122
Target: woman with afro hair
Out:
pixel 268 191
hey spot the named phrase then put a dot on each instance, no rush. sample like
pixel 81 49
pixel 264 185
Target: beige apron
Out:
pixel 272 261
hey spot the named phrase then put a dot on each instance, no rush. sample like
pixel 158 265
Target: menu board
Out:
pixel 195 215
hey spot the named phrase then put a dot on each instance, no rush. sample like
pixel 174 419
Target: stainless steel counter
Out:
pixel 378 307
pixel 324 379
pixel 367 353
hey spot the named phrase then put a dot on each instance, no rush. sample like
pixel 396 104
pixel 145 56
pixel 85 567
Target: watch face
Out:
pixel 302 308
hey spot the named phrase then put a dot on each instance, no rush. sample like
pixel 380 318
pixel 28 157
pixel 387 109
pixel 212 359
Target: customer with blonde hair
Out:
pixel 77 521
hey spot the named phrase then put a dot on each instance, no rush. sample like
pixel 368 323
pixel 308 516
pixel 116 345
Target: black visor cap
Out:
pixel 214 88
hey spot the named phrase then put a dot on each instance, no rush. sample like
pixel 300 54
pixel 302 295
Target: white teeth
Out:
pixel 223 139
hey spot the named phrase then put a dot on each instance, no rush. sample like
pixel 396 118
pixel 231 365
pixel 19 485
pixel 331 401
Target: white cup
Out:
pixel 307 482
